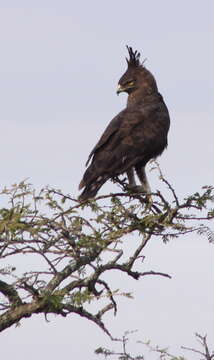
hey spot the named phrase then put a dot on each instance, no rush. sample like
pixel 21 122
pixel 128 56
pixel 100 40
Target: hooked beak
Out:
pixel 120 89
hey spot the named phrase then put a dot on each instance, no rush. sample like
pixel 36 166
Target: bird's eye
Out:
pixel 130 83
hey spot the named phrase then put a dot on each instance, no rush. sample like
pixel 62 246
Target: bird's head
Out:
pixel 137 77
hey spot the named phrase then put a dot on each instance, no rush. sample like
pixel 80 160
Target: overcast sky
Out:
pixel 60 62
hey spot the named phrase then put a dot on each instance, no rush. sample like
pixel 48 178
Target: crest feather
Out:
pixel 134 57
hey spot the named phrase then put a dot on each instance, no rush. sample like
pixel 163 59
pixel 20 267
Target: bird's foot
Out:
pixel 142 191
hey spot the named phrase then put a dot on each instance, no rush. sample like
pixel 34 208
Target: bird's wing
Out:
pixel 136 135
pixel 131 129
pixel 113 127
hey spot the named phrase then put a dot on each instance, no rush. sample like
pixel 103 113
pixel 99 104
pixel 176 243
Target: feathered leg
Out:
pixel 131 178
pixel 143 179
pixel 144 187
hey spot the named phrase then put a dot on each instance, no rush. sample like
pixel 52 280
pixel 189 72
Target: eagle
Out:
pixel 134 136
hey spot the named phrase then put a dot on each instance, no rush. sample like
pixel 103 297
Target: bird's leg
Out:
pixel 131 178
pixel 141 173
pixel 143 179
pixel 144 187
pixel 132 183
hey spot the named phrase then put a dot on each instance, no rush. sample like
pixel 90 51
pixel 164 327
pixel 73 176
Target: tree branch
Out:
pixel 9 291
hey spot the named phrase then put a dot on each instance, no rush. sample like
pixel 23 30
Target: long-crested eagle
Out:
pixel 135 136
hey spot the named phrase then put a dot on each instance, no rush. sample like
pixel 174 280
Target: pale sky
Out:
pixel 59 67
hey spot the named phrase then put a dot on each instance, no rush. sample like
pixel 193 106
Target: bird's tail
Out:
pixel 91 188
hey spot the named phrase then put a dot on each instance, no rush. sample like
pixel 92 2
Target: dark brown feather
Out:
pixel 136 135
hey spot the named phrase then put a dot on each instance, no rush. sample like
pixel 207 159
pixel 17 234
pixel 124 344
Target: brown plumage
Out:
pixel 135 136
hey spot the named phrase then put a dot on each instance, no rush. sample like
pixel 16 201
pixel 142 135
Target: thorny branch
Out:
pixel 163 352
pixel 205 352
pixel 71 245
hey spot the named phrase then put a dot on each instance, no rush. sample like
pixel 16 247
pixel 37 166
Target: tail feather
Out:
pixel 82 184
pixel 92 188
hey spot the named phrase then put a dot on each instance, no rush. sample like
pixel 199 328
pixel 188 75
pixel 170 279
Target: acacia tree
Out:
pixel 204 351
pixel 55 250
